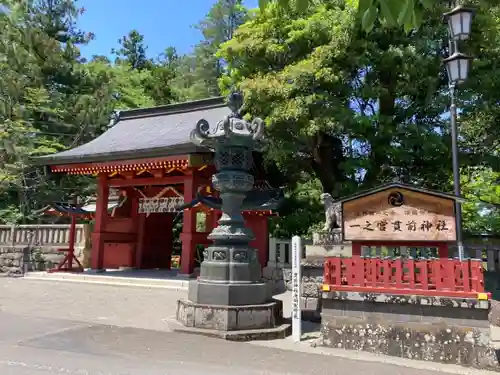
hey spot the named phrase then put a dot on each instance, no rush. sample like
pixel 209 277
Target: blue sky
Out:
pixel 162 22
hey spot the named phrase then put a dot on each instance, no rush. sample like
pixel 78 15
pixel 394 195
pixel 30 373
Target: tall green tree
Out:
pixel 163 73
pixel 198 73
pixel 355 109
pixel 132 51
pixel 351 109
pixel 481 210
pixel 405 14
pixel 50 100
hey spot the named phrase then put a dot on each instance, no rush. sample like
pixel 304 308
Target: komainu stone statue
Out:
pixel 331 233
pixel 333 213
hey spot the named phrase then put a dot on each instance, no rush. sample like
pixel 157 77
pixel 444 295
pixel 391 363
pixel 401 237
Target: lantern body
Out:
pixel 460 22
pixel 457 67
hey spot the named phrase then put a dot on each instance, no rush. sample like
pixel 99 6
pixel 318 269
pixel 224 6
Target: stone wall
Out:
pixel 11 261
pixel 426 328
pixel 280 280
pixel 36 247
pixel 15 261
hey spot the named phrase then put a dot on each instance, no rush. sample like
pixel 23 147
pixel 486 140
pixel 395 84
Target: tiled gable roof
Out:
pixel 143 133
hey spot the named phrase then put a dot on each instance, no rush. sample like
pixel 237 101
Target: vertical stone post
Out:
pixel 282 254
pixel 12 235
pixel 272 253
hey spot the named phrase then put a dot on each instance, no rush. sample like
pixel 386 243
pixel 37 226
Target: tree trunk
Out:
pixel 327 159
pixel 382 136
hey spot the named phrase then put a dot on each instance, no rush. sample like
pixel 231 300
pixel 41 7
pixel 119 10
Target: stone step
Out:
pixel 104 279
pixel 280 332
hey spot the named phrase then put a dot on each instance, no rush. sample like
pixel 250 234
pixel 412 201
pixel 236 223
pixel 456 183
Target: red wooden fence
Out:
pixel 427 277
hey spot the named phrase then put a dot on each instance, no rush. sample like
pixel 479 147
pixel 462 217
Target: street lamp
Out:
pixel 457 67
pixel 459 22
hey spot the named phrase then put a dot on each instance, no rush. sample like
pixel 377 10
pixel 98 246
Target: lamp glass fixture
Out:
pixel 457 67
pixel 460 22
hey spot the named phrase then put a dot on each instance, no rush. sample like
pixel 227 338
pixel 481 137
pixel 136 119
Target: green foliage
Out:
pixel 132 51
pixel 301 213
pixel 337 101
pixel 405 14
pixel 198 73
pixel 481 211
pixel 50 100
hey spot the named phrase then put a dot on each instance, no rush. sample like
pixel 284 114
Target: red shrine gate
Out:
pixel 148 157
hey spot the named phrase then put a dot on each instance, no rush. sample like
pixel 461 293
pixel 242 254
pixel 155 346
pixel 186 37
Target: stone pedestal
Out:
pixel 227 294
pixel 229 318
pixel 314 252
pixel 328 244
pixel 273 276
pixel 234 323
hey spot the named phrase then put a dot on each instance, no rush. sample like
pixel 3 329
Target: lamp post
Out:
pixel 457 66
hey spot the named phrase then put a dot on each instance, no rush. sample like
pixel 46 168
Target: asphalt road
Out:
pixel 34 343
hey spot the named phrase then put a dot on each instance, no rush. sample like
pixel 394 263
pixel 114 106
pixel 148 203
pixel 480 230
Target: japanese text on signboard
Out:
pixel 411 224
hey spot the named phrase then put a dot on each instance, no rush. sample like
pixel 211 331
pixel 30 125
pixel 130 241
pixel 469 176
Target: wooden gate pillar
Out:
pixel 101 215
pixel 189 226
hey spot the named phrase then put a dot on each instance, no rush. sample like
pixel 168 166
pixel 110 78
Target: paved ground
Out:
pixel 79 329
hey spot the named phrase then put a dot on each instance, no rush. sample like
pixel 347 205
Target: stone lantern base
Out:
pixel 227 294
pixel 235 323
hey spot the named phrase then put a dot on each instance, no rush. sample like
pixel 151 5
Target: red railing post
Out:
pixel 438 273
pixel 448 274
pixel 477 277
pixel 350 270
pixel 326 272
pixel 336 272
pixel 424 275
pixel 374 271
pixel 359 271
pixel 411 273
pixel 465 275
pixel 431 272
pixel 385 273
pixel 398 265
pixel 367 271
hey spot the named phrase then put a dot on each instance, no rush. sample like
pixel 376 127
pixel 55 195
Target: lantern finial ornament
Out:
pixel 233 129
pixel 460 22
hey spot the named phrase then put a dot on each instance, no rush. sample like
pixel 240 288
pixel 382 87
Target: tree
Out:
pixel 350 109
pixel 198 73
pixel 479 97
pixel 51 100
pixel 163 72
pixel 403 13
pixel 132 51
pixel 407 14
pixel 25 106
pixel 481 210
